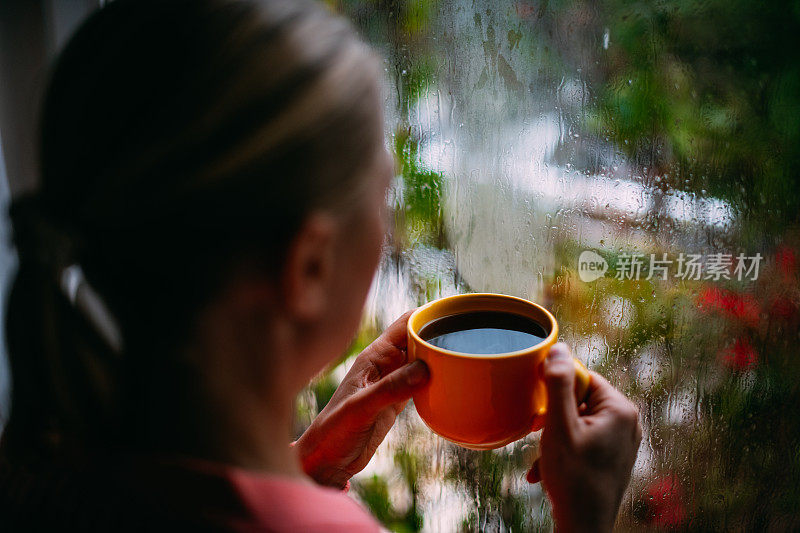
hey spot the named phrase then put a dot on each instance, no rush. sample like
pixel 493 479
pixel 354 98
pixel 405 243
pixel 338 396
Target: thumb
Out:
pixel 559 376
pixel 395 387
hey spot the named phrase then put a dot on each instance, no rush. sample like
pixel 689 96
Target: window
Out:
pixel 634 167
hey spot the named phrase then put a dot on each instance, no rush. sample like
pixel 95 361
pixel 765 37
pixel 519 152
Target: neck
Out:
pixel 253 433
pixel 238 407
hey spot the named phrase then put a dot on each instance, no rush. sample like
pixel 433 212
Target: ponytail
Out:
pixel 64 347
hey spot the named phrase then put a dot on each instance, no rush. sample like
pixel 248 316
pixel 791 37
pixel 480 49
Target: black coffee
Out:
pixel 483 332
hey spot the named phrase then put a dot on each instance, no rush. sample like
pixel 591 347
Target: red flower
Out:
pixel 741 355
pixel 740 306
pixel 666 502
pixel 786 259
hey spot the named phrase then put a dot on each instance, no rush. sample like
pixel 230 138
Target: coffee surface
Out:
pixel 483 332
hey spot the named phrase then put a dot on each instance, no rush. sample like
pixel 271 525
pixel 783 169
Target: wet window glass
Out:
pixel 633 166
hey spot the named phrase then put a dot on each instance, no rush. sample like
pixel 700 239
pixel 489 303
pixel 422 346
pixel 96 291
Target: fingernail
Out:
pixel 417 373
pixel 558 352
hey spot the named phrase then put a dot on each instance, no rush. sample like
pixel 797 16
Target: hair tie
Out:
pixel 39 239
pixel 85 299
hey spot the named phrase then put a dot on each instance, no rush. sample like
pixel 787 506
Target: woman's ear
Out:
pixel 307 275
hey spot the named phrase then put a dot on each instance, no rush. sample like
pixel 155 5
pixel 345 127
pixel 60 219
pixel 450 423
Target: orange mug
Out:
pixel 483 401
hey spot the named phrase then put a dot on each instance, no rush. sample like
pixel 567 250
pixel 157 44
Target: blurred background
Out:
pixel 662 136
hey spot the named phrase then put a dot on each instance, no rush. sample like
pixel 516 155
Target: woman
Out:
pixel 210 216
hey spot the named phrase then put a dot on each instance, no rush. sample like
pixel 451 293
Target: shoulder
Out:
pixel 280 504
pixel 235 499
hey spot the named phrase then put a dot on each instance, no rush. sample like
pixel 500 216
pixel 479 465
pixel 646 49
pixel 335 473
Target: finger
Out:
pixel 600 393
pixel 395 334
pixel 396 387
pixel 388 352
pixel 559 376
pixel 534 475
pixel 607 402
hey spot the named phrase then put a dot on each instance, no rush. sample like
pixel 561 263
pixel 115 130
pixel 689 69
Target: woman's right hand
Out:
pixel 586 458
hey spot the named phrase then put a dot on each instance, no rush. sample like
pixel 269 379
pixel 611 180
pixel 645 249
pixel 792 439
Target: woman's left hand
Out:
pixel 343 437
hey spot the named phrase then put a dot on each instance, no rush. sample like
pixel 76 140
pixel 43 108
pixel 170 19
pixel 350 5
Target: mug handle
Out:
pixel 582 381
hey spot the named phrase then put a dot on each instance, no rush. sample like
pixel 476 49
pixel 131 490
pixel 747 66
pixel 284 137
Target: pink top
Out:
pixel 176 494
pixel 266 502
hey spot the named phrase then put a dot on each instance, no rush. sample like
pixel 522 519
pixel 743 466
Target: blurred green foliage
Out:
pixel 486 478
pixel 374 492
pixel 707 91
pixel 420 207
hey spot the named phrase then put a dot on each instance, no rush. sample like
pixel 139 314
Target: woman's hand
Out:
pixel 342 438
pixel 586 458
